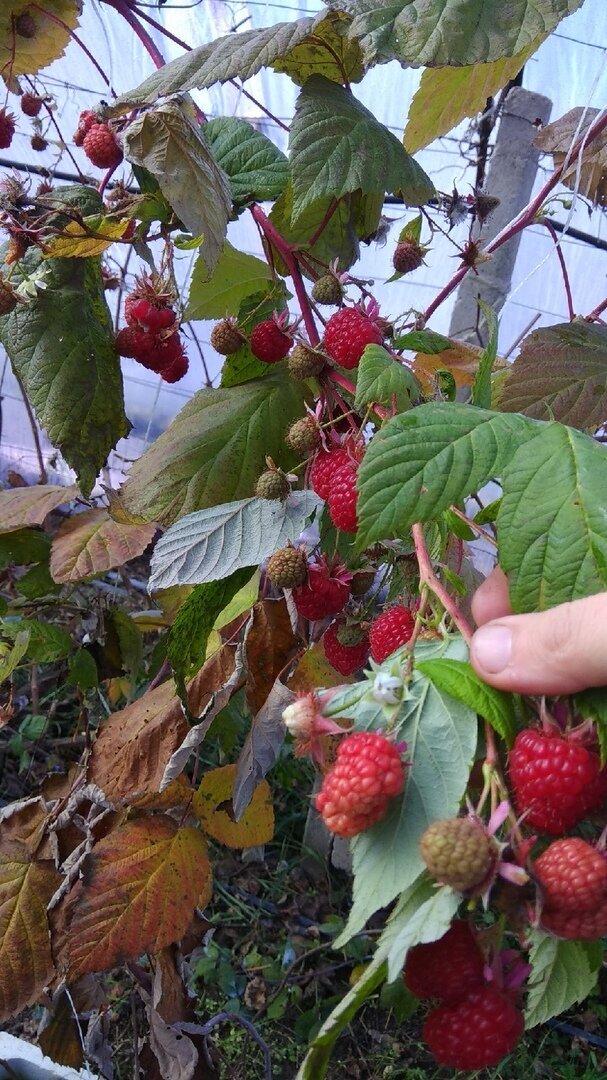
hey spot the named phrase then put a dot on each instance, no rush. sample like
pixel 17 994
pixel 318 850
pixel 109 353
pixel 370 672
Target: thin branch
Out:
pixel 73 35
pixel 598 310
pixel 557 243
pixel 123 8
pixel 43 477
pixel 429 578
pixel 289 258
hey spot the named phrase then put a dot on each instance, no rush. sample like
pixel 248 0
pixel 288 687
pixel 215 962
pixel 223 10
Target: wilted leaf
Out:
pixel 26 964
pixel 253 827
pixel 53 21
pixel 326 51
pixel 262 745
pixel 166 143
pixel 92 543
pixel 22 507
pixel 557 138
pixel 314 671
pixel 141 885
pixel 270 644
pixel 25 821
pixel 235 277
pixel 60 1038
pixel 255 167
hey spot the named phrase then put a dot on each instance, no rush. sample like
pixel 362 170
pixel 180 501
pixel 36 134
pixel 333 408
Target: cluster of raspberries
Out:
pixel 150 337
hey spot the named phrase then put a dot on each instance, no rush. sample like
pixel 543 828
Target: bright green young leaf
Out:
pixel 447 95
pixel 46 641
pixel 592 705
pixel 166 143
pixel 564 973
pixel 235 56
pixel 481 387
pixel 215 448
pixel 458 678
pixel 560 374
pixel 11 659
pixel 255 167
pixel 427 920
pixel 382 380
pixel 326 51
pixel 234 278
pixel 489 513
pixel 436 33
pixel 551 522
pixel 212 544
pixel 424 460
pixel 335 144
pixel 61 345
pixel 423 341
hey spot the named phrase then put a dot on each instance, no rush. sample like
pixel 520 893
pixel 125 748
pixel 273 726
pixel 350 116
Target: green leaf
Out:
pixel 427 920
pixel 10 660
pixel 561 374
pixel 234 278
pixel 449 94
pixel 242 366
pixel 83 671
pixel 215 448
pixel 564 973
pixel 188 636
pixel 489 512
pixel 23 547
pixel 424 341
pixel 61 345
pixel 355 217
pixel 128 637
pixel 235 56
pixel 434 455
pixel 326 51
pixel 37 581
pixel 335 144
pixel 592 704
pixel 382 380
pixel 212 544
pixel 46 642
pixel 256 169
pixel 551 522
pixel 166 143
pixel 458 678
pixel 481 388
pixel 433 33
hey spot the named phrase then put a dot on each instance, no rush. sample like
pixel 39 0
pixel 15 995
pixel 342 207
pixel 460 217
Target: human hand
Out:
pixel 559 651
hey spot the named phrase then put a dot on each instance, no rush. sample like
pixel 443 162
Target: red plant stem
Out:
pixel 272 234
pixel 429 578
pixel 123 8
pixel 526 217
pixel 325 221
pixel 597 311
pixel 73 35
pixel 551 229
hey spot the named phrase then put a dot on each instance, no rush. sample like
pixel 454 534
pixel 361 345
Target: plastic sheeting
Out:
pixel 569 68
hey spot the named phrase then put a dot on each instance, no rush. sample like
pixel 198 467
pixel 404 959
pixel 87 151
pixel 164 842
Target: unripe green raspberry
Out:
pixel 287 568
pixel 458 852
pixel 328 290
pixel 303 436
pixel 304 363
pixel 272 484
pixel 226 337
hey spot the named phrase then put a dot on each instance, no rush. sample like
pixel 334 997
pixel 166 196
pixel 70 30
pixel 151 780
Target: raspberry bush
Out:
pixel 308 524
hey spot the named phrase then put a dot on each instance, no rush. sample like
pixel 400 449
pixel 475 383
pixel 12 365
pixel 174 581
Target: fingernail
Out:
pixel 492 648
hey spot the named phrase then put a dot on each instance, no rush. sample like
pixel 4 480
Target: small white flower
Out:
pixel 387 689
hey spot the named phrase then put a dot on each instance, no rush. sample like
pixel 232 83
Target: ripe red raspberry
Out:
pixel 573 876
pixel 344 658
pixel 268 343
pixel 165 354
pixel 347 334
pixel 143 313
pixel 101 147
pixel 7 128
pixel 355 793
pixel 177 368
pixel 131 341
pixel 555 782
pixel 460 853
pixel 475 1032
pixel 447 969
pixel 393 628
pixel 343 497
pixel 325 592
pixel 30 104
pixel 576 926
pixel 85 122
pixel 324 467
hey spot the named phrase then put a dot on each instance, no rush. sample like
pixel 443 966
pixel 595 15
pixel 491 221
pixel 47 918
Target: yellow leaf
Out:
pixel 21 55
pixel 81 240
pixel 314 670
pixel 212 807
pixel 447 95
pixel 326 51
pixel 26 964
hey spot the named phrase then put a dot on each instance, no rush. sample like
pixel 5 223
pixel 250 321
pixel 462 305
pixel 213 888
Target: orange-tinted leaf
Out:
pixel 461 360
pixel 314 670
pixel 134 746
pixel 26 964
pixel 558 137
pixel 141 886
pixel 25 506
pixel 178 793
pixel 26 823
pixel 92 543
pixel 212 806
pixel 270 644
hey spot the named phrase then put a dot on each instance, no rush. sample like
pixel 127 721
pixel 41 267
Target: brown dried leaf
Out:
pixel 558 137
pixel 270 644
pixel 25 822
pixel 92 543
pixel 26 965
pixel 141 885
pixel 262 745
pixel 255 826
pixel 25 506
pixel 178 793
pixel 60 1039
pixel 314 670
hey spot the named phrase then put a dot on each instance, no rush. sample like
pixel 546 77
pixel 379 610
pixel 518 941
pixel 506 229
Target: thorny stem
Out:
pixel 123 8
pixel 526 217
pixel 289 258
pixel 429 578
pixel 559 251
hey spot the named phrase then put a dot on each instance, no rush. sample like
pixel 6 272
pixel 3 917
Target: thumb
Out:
pixel 559 651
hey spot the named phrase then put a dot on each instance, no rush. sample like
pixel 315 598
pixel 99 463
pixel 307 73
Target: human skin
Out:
pixel 560 651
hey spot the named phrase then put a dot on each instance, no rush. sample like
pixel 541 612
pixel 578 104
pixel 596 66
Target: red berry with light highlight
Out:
pixel 343 498
pixel 390 630
pixel 355 793
pixel 268 343
pixel 101 147
pixel 475 1032
pixel 555 781
pixel 347 334
pixel 346 659
pixel 572 875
